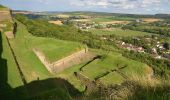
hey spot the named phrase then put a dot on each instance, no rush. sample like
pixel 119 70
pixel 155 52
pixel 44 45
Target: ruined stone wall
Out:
pixel 90 84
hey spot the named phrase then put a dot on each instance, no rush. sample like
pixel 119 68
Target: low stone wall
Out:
pixel 64 63
pixel 90 84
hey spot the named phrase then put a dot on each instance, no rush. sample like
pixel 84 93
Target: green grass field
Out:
pixel 110 62
pixel 118 32
pixel 108 19
pixel 57 49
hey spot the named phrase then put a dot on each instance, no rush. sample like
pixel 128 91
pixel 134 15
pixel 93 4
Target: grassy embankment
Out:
pixel 12 73
pixel 100 66
pixel 31 66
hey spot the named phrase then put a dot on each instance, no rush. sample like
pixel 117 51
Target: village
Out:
pixel 158 50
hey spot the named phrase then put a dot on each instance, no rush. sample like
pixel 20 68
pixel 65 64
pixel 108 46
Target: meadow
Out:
pixel 118 32
pixel 109 19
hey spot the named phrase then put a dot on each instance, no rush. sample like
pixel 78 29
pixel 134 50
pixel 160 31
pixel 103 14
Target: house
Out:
pixel 138 20
pixel 154 51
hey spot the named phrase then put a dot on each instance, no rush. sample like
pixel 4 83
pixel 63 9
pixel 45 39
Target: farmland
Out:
pixel 56 22
pixel 117 32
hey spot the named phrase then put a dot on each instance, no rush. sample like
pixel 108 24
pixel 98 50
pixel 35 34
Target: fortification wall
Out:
pixel 64 63
pixel 7 25
pixel 5 15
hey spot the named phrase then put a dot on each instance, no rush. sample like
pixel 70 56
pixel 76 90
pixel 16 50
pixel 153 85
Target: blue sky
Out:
pixel 114 6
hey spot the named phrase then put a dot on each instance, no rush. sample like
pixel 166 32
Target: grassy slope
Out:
pixel 118 32
pixel 31 66
pixel 57 49
pixel 29 63
pixel 14 79
pixel 68 74
pixel 110 62
pixel 99 67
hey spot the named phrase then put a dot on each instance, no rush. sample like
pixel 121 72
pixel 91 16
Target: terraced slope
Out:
pixel 113 69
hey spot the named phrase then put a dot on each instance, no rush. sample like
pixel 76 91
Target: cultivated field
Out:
pixel 118 32
pixel 150 20
pixel 110 19
pixel 56 22
pixel 116 22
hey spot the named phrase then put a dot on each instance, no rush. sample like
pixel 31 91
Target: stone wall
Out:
pixel 64 63
pixel 90 84
pixel 6 21
pixel 5 15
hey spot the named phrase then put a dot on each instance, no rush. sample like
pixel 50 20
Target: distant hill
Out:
pixel 94 14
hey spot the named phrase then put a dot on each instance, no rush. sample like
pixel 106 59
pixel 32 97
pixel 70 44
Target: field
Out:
pixel 56 22
pixel 116 22
pixel 63 16
pixel 81 20
pixel 150 20
pixel 110 19
pixel 118 32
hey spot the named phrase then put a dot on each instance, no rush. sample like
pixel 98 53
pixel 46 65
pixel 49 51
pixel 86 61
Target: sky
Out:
pixel 113 6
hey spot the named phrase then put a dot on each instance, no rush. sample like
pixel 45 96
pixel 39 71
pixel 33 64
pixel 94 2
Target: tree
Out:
pixel 166 46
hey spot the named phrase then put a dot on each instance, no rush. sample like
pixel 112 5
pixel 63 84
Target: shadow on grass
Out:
pixel 48 89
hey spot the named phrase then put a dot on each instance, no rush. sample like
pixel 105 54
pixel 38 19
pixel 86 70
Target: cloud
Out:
pixel 122 4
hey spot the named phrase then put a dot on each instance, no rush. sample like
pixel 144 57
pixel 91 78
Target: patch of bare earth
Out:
pixel 150 20
pixel 116 22
pixel 57 22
